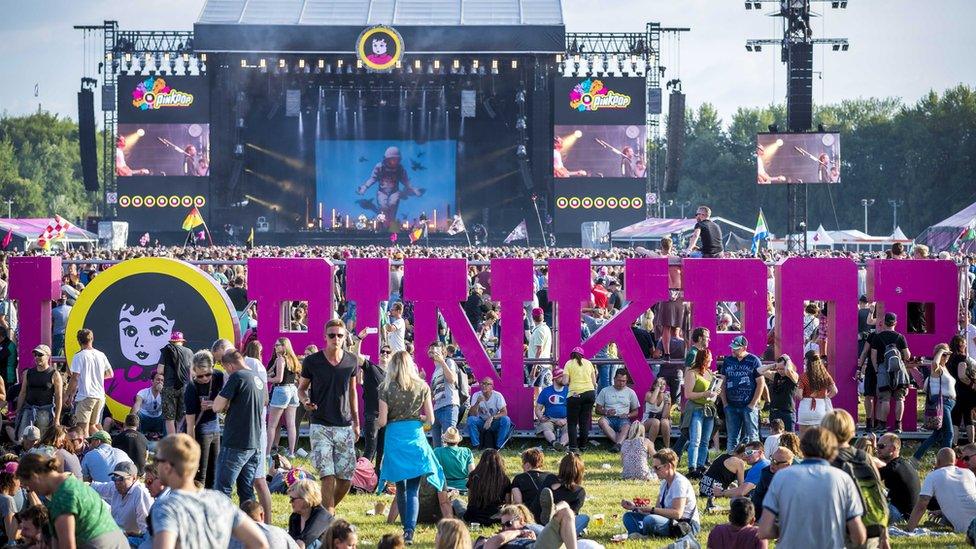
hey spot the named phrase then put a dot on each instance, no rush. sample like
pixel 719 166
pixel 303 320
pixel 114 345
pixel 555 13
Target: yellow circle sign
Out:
pixel 379 48
pixel 133 309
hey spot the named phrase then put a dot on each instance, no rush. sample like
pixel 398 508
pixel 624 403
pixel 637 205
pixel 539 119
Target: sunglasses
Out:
pixel 780 462
pixel 386 352
pixel 882 446
pixel 203 376
pixel 336 335
pixel 750 452
pixel 509 523
pixel 39 354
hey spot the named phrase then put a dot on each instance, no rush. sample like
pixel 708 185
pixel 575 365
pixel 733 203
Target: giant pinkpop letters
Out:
pixel 440 285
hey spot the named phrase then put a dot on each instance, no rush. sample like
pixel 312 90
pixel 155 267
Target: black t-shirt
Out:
pixel 781 393
pixel 238 296
pixel 195 392
pixel 710 238
pixel 134 444
pixel 881 339
pixel 574 497
pixel 242 422
pixel 316 525
pixel 176 361
pixel 373 375
pixel 529 484
pixel 645 340
pixel 901 479
pixel 330 388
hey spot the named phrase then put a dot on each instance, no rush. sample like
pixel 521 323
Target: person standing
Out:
pixel 8 357
pixel 59 323
pixel 193 518
pixel 86 388
pixel 284 397
pixel 201 421
pixel 743 386
pixel 175 361
pixel 888 387
pixel 404 400
pixel 783 381
pixel 794 518
pixel 396 328
pixel 39 400
pixel 940 391
pixel 708 232
pixel 580 376
pixel 540 348
pixel 332 406
pixel 242 401
pixel 817 387
pixel 446 385
pixel 371 375
pixel 960 367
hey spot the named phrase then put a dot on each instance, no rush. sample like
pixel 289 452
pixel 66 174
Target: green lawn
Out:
pixel 604 491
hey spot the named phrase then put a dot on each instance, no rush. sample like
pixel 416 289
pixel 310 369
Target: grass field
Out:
pixel 604 491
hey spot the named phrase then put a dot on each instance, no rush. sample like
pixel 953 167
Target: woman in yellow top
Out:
pixel 580 376
pixel 699 411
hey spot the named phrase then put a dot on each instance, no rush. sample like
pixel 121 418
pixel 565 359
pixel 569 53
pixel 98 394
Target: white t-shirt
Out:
pixel 488 407
pixel 91 365
pixel 971 339
pixel 396 338
pixel 621 402
pixel 958 486
pixel 771 444
pixel 680 487
pixel 541 336
pixel 152 406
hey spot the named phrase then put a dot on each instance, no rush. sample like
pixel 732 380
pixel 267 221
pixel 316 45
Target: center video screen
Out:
pixel 599 151
pixel 387 181
pixel 797 158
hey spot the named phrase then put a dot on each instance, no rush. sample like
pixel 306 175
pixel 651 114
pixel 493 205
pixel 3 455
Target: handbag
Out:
pixel 933 408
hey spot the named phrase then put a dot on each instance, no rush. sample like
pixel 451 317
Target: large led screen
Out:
pixel 599 151
pixel 162 150
pixel 388 181
pixel 600 100
pixel 163 99
pixel 617 200
pixel 797 158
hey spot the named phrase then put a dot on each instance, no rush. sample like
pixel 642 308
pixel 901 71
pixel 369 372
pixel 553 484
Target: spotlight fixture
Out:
pixel 262 63
pixel 835 47
pixel 238 150
pixel 845 47
pixel 520 97
pixel 494 66
pixel 281 63
pixel 748 47
pixel 416 64
pixel 457 64
pixel 301 63
pixel 521 151
pixel 514 63
pixel 758 47
pixel 520 123
pixel 243 63
pixel 321 63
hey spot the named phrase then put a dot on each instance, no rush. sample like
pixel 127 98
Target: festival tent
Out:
pixel 653 229
pixel 24 233
pixel 820 237
pixel 946 233
pixel 848 239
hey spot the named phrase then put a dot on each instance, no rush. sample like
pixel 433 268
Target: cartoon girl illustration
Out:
pixel 379 55
pixel 144 329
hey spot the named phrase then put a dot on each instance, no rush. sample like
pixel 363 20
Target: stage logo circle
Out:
pixel 379 48
pixel 134 307
pixel 562 202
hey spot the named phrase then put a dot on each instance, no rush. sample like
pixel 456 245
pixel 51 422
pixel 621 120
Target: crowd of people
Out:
pixel 759 432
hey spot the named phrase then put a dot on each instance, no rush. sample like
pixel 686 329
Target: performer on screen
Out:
pixel 764 178
pixel 390 174
pixel 628 160
pixel 558 169
pixel 194 164
pixel 825 168
pixel 121 168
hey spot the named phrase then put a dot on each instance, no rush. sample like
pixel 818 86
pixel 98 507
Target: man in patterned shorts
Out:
pixel 332 412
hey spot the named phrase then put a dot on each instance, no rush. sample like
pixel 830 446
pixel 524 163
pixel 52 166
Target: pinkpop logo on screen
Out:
pixel 153 93
pixel 592 95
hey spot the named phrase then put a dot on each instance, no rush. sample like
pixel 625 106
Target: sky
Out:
pixel 901 48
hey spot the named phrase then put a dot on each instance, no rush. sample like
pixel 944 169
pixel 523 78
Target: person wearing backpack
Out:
pixel 860 466
pixel 889 353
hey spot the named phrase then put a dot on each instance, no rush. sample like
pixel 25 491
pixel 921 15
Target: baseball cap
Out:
pixel 739 342
pixel 863 298
pixel 578 351
pixel 177 336
pixel 42 349
pixel 102 436
pixel 557 373
pixel 477 286
pixel 31 433
pixel 538 313
pixel 124 469
pixel 890 319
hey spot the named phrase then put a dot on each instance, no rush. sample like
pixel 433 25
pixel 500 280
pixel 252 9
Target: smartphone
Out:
pixel 371 331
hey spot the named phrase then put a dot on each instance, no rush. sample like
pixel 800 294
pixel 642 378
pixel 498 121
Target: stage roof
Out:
pixel 427 26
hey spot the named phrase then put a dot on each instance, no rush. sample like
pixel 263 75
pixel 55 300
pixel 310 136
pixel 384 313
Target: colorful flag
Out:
pixel 8 238
pixel 520 232
pixel 457 226
pixel 54 230
pixel 416 234
pixel 968 232
pixel 200 235
pixel 250 239
pixel 762 232
pixel 144 240
pixel 192 219
pixel 393 237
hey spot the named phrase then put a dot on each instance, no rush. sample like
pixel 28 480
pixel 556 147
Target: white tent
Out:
pixel 820 237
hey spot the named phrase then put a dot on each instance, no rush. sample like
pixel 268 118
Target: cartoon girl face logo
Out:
pixel 144 329
pixel 379 48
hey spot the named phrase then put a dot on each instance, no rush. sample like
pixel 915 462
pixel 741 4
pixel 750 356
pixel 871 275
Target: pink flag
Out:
pixel 8 238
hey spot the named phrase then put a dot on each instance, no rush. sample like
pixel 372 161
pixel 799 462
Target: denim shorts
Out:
pixel 284 396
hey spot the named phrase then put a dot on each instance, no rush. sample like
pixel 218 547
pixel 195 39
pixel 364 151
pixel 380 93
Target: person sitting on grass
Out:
pixel 740 532
pixel 452 534
pixel 340 535
pixel 488 489
pixel 527 485
pixel 752 453
pixel 34 522
pixel 618 405
pixel 723 471
pixel 309 519
pixel 569 489
pixel 277 538
pixel 457 461
pixel 391 541
pixel 634 454
pixel 676 512
pixel 517 531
